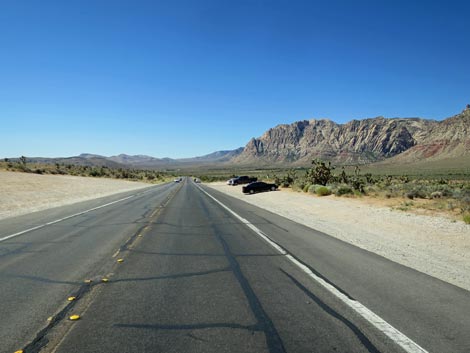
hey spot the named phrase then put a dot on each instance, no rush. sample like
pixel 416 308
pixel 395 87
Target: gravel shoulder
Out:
pixel 22 193
pixel 433 245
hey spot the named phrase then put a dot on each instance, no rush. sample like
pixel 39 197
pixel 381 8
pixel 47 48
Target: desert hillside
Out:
pixel 361 141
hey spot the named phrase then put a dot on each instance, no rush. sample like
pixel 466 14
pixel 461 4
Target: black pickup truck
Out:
pixel 243 180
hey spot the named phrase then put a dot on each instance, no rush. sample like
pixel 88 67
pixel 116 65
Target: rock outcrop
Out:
pixel 359 141
pixel 447 139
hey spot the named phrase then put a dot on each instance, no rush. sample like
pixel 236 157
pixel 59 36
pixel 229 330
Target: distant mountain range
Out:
pixel 391 140
pixel 401 140
pixel 141 161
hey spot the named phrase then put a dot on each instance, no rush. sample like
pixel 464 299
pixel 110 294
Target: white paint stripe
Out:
pixel 395 335
pixel 248 224
pixel 74 215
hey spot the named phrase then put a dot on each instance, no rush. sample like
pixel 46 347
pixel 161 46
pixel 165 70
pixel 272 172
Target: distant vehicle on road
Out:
pixel 258 186
pixel 197 180
pixel 243 180
pixel 177 180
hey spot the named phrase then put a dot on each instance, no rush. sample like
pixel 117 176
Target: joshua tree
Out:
pixel 321 172
pixel 23 161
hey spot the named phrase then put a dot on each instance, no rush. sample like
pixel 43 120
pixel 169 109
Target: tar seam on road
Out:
pixel 391 332
pixel 71 216
pixel 41 339
pixel 145 228
pixel 264 322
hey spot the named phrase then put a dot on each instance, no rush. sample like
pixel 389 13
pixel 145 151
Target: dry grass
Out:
pixel 444 207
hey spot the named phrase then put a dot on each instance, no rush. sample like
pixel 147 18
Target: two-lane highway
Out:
pixel 203 272
pixel 41 267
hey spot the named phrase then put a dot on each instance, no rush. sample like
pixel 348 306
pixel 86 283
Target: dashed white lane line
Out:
pixel 71 216
pixel 391 332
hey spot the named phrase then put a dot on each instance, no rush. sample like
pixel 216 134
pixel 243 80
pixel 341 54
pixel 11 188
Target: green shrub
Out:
pixel 94 173
pixel 307 187
pixel 344 190
pixel 298 185
pixel 370 190
pixel 359 193
pixel 465 204
pixel 466 218
pixel 358 184
pixel 289 179
pixel 416 193
pixel 323 191
pixel 311 189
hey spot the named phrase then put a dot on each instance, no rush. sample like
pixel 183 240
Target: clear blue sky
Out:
pixel 185 78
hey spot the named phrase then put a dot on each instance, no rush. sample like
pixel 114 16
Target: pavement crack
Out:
pixel 184 327
pixel 330 311
pixel 273 339
pixel 174 276
pixel 41 340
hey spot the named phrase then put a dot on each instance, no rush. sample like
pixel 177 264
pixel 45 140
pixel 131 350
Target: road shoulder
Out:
pixel 432 245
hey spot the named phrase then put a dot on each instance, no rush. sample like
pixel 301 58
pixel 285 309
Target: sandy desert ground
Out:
pixel 434 245
pixel 22 193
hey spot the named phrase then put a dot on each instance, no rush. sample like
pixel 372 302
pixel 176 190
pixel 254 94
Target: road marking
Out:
pixel 391 332
pixel 71 216
pixel 155 211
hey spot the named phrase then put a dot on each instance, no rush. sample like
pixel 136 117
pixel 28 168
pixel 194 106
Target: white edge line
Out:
pixel 391 332
pixel 74 215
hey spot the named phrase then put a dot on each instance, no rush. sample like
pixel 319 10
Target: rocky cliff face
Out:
pixel 359 141
pixel 449 138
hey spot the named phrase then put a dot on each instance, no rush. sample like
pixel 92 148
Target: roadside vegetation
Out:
pixel 425 191
pixel 428 192
pixel 22 165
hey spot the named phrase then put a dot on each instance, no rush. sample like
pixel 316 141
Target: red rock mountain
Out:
pixel 360 141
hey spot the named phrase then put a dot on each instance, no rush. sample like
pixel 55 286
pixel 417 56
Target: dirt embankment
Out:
pixel 434 245
pixel 22 193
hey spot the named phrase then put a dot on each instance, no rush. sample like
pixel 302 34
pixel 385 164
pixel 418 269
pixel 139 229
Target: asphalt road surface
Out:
pixel 189 269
